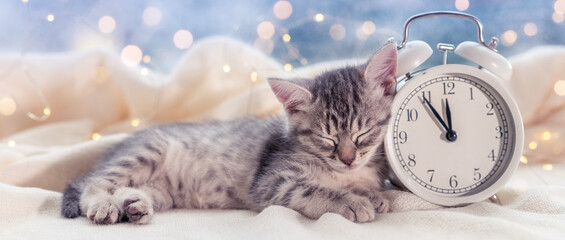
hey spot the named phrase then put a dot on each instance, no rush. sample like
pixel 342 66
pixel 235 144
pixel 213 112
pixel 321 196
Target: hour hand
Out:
pixel 436 114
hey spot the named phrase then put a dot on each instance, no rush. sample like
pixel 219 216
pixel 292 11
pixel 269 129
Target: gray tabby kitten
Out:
pixel 325 155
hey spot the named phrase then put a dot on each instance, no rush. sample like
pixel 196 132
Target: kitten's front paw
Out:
pixel 380 203
pixel 103 212
pixel 358 209
pixel 139 211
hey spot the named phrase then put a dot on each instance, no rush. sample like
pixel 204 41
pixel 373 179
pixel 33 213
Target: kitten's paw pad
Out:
pixel 103 213
pixel 381 204
pixel 359 210
pixel 138 211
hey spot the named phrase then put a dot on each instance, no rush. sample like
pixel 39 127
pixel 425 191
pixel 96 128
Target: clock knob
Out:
pixel 485 58
pixel 412 55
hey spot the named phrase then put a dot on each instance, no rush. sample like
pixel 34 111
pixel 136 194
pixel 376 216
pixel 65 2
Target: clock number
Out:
pixel 432 171
pixel 477 175
pixel 411 160
pixel 403 137
pixel 471 93
pixel 448 88
pixel 426 95
pixel 412 114
pixel 499 132
pixel 491 155
pixel 453 181
pixel 490 109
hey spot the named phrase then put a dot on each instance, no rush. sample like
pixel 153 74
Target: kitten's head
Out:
pixel 341 116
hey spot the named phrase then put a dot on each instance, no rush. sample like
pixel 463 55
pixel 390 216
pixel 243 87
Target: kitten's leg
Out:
pixel 139 204
pixel 98 204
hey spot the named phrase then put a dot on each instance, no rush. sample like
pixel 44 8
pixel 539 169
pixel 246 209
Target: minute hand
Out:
pixel 438 117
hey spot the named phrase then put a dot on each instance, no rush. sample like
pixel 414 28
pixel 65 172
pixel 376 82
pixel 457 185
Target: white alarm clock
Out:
pixel 455 135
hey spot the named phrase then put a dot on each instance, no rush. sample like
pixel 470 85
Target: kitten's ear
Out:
pixel 381 69
pixel 294 98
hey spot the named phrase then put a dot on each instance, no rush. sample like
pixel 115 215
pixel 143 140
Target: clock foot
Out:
pixel 494 199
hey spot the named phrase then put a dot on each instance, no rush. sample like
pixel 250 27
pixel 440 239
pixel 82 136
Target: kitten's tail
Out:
pixel 70 207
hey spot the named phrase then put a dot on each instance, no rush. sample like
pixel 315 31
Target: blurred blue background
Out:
pixel 157 33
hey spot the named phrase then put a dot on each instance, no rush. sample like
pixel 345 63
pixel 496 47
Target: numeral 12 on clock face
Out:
pixel 451 134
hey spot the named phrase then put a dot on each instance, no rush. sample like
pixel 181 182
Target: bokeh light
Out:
pixel 152 16
pixel 50 18
pixel 547 167
pixel 183 39
pixel 282 9
pixel 533 145
pixel 253 76
pixel 559 87
pixel 135 122
pixel 509 37
pixel 546 135
pixel 559 6
pixel 368 27
pixel 95 136
pixel 319 17
pixel 558 17
pixel 11 143
pixel 337 32
pixel 288 67
pixel 106 24
pixel 462 5
pixel 286 37
pixel 7 106
pixel 146 59
pixel 524 159
pixel 530 29
pixel 131 55
pixel 265 30
pixel 226 68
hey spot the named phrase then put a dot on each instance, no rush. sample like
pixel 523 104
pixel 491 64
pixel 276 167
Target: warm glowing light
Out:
pixel 265 45
pixel 288 67
pixel 337 32
pixel 558 17
pixel 146 59
pixel 319 17
pixel 25 1
pixel 546 135
pixel 523 159
pixel 282 9
pixel 152 16
pixel 131 55
pixel 253 76
pixel 509 37
pixel 530 29
pixel 7 106
pixel 462 5
pixel 559 6
pixel 265 30
pixel 533 145
pixel 11 143
pixel 559 87
pixel 47 111
pixel 106 24
pixel 286 37
pixel 96 136
pixel 369 27
pixel 548 167
pixel 183 39
pixel 50 18
pixel 303 61
pixel 226 68
pixel 135 122
pixel 144 71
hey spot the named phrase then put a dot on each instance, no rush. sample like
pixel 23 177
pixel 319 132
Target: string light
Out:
pixel 135 122
pixel 183 39
pixel 226 68
pixel 546 136
pixel 288 67
pixel 95 136
pixel 152 16
pixel 106 24
pixel 337 32
pixel 533 145
pixel 559 87
pixel 47 111
pixel 462 5
pixel 509 37
pixel 146 59
pixel 253 76
pixel 530 29
pixel 25 1
pixel 50 18
pixel 548 167
pixel 286 37
pixel 282 9
pixel 7 106
pixel 523 159
pixel 319 17
pixel 265 30
pixel 131 55
pixel 144 71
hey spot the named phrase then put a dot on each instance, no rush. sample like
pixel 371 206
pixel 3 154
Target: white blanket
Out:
pixel 92 94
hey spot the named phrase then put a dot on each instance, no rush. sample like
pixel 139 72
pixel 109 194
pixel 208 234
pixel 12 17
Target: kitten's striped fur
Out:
pixel 325 156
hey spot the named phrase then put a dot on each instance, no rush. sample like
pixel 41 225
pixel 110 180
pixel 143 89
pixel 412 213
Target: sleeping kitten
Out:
pixel 325 155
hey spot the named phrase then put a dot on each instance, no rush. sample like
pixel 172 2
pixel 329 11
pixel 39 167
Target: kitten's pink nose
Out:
pixel 347 161
pixel 347 155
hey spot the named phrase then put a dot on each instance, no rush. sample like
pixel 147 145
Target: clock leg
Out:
pixel 494 199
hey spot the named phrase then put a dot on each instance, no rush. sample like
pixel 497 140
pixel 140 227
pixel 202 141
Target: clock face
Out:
pixel 451 135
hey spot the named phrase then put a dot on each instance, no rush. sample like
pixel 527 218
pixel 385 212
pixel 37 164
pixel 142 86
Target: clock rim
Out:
pixel 495 83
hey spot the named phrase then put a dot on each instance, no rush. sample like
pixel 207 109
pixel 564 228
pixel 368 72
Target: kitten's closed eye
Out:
pixel 363 135
pixel 331 142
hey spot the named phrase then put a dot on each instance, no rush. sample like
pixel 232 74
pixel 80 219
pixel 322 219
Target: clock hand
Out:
pixel 450 135
pixel 436 114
